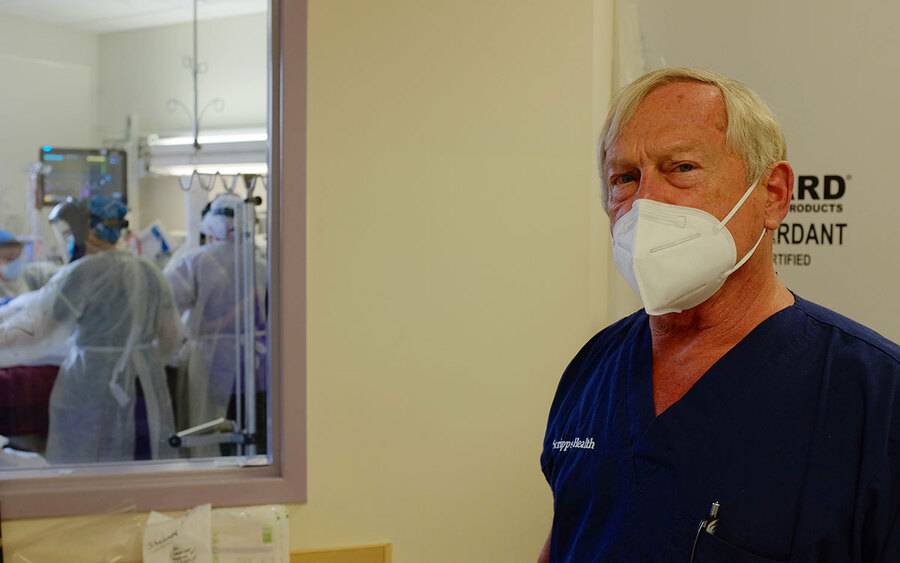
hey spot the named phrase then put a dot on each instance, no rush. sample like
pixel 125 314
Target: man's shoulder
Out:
pixel 848 336
pixel 618 333
pixel 593 362
pixel 608 343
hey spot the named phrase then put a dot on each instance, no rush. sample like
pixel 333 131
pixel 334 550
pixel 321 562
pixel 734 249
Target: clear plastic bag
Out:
pixel 251 534
pixel 112 537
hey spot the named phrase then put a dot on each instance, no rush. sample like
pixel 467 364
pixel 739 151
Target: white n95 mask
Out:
pixel 12 270
pixel 675 257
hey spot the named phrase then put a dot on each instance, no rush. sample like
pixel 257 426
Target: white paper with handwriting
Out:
pixel 186 539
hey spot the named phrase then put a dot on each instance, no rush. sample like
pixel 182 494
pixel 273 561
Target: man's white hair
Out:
pixel 752 130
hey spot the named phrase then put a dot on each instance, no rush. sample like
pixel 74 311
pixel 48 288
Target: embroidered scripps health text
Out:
pixel 577 443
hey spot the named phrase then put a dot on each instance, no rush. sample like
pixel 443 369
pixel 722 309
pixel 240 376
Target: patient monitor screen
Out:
pixel 80 173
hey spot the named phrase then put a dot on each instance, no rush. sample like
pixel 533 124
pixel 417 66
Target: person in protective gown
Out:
pixel 112 317
pixel 17 276
pixel 203 281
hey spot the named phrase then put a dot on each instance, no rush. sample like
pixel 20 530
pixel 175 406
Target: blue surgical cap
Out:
pixel 107 216
pixel 7 237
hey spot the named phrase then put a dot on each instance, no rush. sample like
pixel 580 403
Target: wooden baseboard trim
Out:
pixel 375 553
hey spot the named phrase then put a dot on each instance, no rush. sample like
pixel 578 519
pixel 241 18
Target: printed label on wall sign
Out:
pixel 814 222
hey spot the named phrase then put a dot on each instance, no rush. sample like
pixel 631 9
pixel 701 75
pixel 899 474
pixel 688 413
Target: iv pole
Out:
pixel 195 116
pixel 222 430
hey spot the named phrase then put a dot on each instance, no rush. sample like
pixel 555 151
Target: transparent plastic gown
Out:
pixel 203 281
pixel 34 276
pixel 113 319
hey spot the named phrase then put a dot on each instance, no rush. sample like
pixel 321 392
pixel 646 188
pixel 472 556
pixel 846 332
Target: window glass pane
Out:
pixel 133 219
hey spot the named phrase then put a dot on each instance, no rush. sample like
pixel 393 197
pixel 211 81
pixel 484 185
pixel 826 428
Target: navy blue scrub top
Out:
pixel 795 432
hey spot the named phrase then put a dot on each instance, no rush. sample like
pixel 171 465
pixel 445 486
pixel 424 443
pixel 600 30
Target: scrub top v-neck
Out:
pixel 771 432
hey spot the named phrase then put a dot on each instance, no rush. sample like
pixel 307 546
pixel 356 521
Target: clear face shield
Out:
pixel 65 241
pixel 219 222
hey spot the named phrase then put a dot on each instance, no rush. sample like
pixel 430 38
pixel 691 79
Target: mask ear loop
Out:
pixel 746 256
pixel 738 205
pixel 728 217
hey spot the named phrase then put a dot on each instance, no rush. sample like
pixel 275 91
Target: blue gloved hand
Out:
pixel 5 300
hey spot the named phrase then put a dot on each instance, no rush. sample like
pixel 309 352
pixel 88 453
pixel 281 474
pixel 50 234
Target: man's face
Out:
pixel 673 150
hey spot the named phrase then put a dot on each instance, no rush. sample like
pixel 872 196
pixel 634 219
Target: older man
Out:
pixel 729 420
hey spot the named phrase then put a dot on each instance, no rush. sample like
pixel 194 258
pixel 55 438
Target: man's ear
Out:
pixel 779 188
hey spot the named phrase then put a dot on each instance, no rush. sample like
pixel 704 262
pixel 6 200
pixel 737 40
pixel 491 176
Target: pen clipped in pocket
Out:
pixel 710 547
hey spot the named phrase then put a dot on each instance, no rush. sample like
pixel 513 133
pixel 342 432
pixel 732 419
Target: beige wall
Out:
pixel 450 199
pixel 456 263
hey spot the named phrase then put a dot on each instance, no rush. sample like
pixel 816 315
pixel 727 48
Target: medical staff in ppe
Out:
pixel 114 318
pixel 17 275
pixel 204 284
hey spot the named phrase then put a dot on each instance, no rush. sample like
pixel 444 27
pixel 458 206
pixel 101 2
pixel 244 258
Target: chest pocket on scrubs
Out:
pixel 713 549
